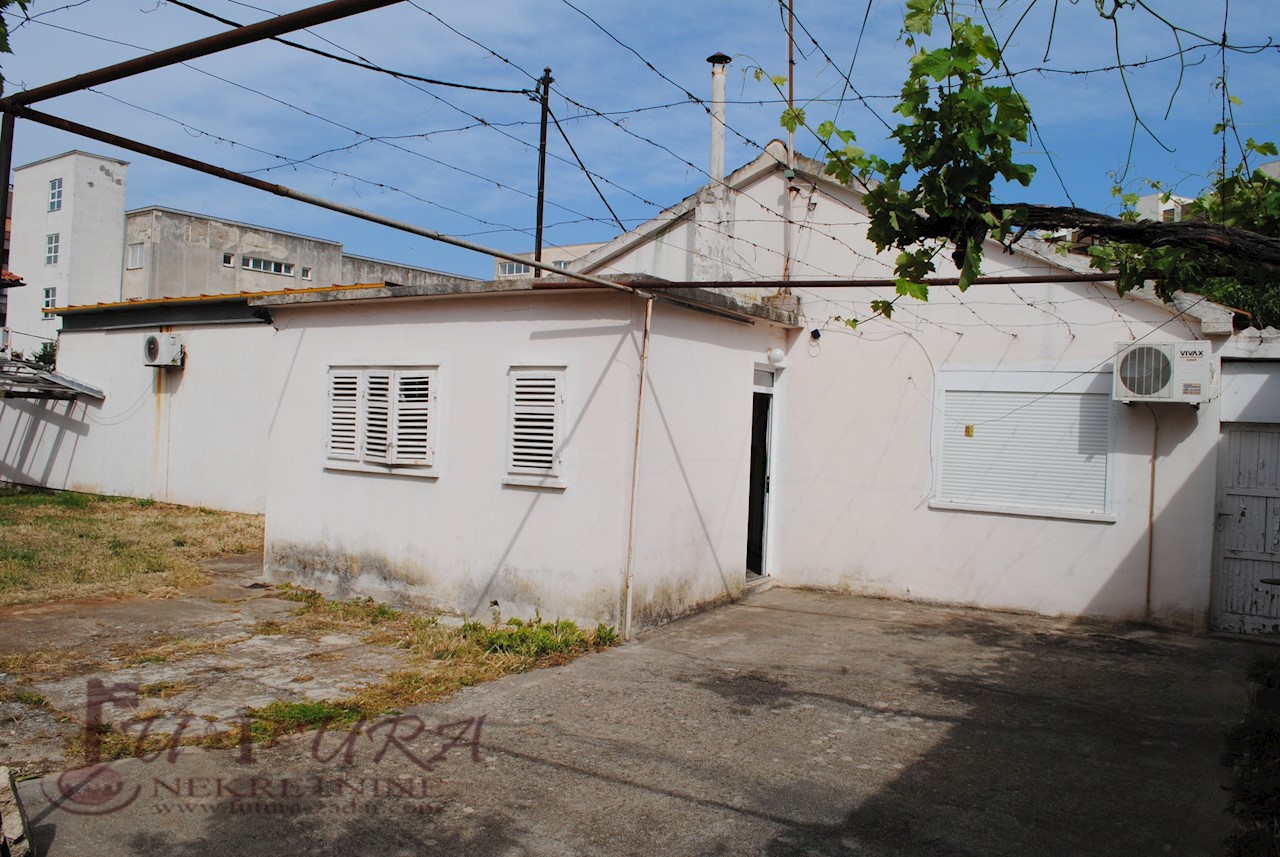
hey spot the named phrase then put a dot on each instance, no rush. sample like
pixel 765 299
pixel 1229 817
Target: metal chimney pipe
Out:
pixel 718 62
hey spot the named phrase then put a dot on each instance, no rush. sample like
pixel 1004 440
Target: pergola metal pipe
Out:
pixel 322 14
pixel 289 193
pixel 880 283
pixel 270 28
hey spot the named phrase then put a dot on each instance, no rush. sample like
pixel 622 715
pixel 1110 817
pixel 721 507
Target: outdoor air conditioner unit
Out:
pixel 1163 372
pixel 163 349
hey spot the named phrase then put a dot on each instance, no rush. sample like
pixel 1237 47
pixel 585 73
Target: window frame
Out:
pixel 516 269
pixel 410 421
pixel 49 300
pixel 52 248
pixel 1039 383
pixel 304 272
pixel 55 194
pixel 228 260
pixel 266 266
pixel 556 476
pixel 129 264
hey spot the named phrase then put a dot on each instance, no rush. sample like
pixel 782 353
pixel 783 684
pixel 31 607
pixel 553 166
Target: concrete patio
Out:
pixel 793 723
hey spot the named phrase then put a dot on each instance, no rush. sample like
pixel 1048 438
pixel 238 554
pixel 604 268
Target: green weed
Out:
pixel 282 718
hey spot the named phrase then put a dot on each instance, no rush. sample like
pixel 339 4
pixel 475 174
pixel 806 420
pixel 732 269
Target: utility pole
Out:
pixel 787 232
pixel 544 87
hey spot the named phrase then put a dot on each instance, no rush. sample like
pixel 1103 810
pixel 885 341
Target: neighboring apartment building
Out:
pixel 559 257
pixel 67 240
pixel 1162 207
pixel 74 245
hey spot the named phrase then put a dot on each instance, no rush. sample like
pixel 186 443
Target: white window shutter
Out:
pixel 344 415
pixel 1026 450
pixel 535 423
pixel 413 430
pixel 377 416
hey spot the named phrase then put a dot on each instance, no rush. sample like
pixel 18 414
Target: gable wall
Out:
pixel 853 484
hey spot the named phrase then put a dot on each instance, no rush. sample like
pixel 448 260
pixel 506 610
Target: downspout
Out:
pixel 1151 509
pixel 635 474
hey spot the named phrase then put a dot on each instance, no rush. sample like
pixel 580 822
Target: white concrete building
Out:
pixel 563 257
pixel 969 449
pixel 460 447
pixel 67 240
pixel 194 435
pixel 461 443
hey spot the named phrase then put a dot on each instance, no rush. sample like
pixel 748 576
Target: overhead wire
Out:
pixel 335 123
pixel 359 63
pixel 409 79
pixel 1048 153
pixel 857 46
pixel 307 162
pixel 585 171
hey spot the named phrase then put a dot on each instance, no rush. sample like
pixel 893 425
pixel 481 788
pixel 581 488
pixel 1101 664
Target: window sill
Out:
pixel 1053 514
pixel 416 472
pixel 529 481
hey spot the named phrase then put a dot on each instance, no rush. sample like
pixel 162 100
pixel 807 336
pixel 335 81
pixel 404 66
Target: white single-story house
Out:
pixel 476 447
pixel 462 444
pixel 969 449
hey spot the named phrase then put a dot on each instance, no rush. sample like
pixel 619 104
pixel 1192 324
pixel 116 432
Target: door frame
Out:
pixel 773 434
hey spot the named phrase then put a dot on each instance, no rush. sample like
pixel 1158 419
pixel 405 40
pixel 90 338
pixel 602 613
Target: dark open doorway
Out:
pixel 758 501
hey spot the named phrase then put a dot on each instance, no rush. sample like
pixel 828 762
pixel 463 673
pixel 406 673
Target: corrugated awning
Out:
pixel 20 379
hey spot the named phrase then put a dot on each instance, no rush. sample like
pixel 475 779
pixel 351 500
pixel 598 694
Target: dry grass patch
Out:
pixel 56 545
pixel 165 689
pixel 440 658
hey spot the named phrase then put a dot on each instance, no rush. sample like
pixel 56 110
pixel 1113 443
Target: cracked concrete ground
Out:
pixel 792 723
pixel 208 661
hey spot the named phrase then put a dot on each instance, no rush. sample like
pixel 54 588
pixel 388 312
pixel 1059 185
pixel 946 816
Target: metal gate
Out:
pixel 1247 579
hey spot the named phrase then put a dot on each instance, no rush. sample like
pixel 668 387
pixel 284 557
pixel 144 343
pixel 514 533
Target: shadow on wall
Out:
pixel 668 599
pixel 1176 579
pixel 37 435
pixel 502 584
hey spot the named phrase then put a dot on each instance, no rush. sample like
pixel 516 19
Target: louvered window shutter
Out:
pixel 377 416
pixel 412 415
pixel 344 415
pixel 535 423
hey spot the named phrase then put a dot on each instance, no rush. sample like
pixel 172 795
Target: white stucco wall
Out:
pixel 691 533
pixel 864 412
pixel 463 538
pixel 195 435
pixel 853 479
pixel 91 229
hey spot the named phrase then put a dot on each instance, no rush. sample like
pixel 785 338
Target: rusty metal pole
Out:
pixel 267 29
pixel 544 86
pixel 289 193
pixel 6 164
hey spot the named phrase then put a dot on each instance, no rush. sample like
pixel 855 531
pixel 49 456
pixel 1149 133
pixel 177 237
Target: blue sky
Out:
pixel 263 107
